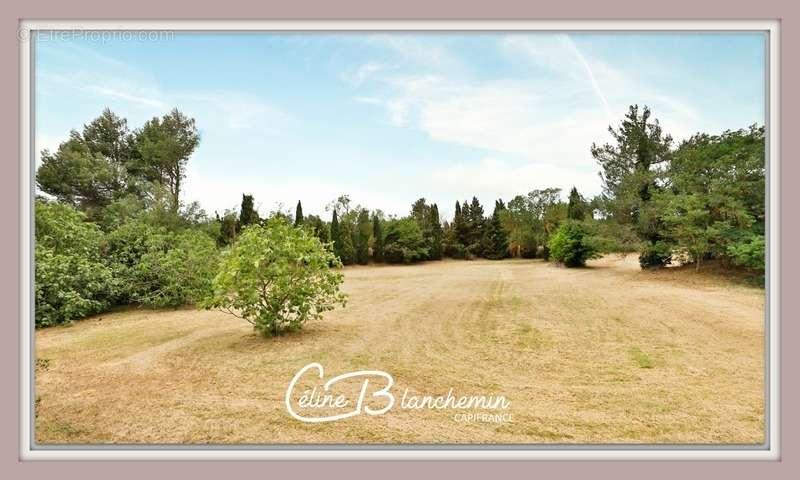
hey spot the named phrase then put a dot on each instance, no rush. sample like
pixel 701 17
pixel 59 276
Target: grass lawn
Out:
pixel 607 354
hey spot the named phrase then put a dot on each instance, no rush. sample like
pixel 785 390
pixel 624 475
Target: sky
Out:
pixel 388 118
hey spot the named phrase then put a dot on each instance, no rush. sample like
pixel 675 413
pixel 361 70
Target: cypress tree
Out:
pixel 347 249
pixel 298 214
pixel 362 237
pixel 336 235
pixel 436 234
pixel 575 209
pixel 248 214
pixel 377 235
pixel 460 224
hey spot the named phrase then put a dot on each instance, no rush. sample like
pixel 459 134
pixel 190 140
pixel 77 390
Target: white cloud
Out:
pixel 552 115
pixel 412 49
pixel 123 95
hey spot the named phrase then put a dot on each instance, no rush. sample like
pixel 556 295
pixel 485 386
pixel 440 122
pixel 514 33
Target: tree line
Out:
pixel 112 229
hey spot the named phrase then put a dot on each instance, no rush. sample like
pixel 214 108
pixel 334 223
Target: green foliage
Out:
pixel 277 277
pixel 159 267
pixel 247 214
pixel 749 253
pixel 576 208
pixel 163 148
pixel 318 227
pixel 404 242
pixel 496 239
pixel 703 200
pixel 377 235
pixel 347 250
pixel 656 254
pixel 570 245
pixel 633 171
pixel 336 234
pixel 436 234
pixel 71 279
pixel 175 270
pixel 362 235
pixel 298 214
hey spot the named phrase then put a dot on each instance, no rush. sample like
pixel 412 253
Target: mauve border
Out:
pixel 784 11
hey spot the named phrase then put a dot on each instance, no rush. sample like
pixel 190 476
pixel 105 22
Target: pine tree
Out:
pixel 247 214
pixel 496 245
pixel 460 225
pixel 575 209
pixel 377 235
pixel 475 223
pixel 435 228
pixel 298 214
pixel 362 235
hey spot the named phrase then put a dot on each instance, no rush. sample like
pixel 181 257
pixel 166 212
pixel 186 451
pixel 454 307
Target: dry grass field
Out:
pixel 607 354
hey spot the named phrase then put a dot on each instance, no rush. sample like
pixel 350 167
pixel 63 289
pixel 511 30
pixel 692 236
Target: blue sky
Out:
pixel 388 118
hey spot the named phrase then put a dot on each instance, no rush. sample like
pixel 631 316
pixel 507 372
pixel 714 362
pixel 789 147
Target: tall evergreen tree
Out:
pixel 576 207
pixel 298 214
pixel 377 235
pixel 475 223
pixel 362 234
pixel 496 243
pixel 631 172
pixel 247 214
pixel 436 233
pixel 348 251
pixel 336 235
pixel 460 225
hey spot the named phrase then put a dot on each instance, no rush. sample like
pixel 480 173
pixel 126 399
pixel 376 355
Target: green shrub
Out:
pixel 749 253
pixel 176 270
pixel 570 245
pixel 658 254
pixel 404 242
pixel 277 277
pixel 71 280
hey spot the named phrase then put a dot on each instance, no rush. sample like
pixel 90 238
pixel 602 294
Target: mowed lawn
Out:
pixel 607 354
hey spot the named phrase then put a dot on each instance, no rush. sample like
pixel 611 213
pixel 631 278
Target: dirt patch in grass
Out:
pixel 608 353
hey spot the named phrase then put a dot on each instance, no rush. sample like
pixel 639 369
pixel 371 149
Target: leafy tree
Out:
pixel 248 214
pixel 228 226
pixel 377 235
pixel 716 201
pixel 318 227
pixel 298 214
pixel 404 242
pixel 689 221
pixel 277 277
pixel 570 245
pixel 71 278
pixel 496 239
pixel 363 231
pixel 175 269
